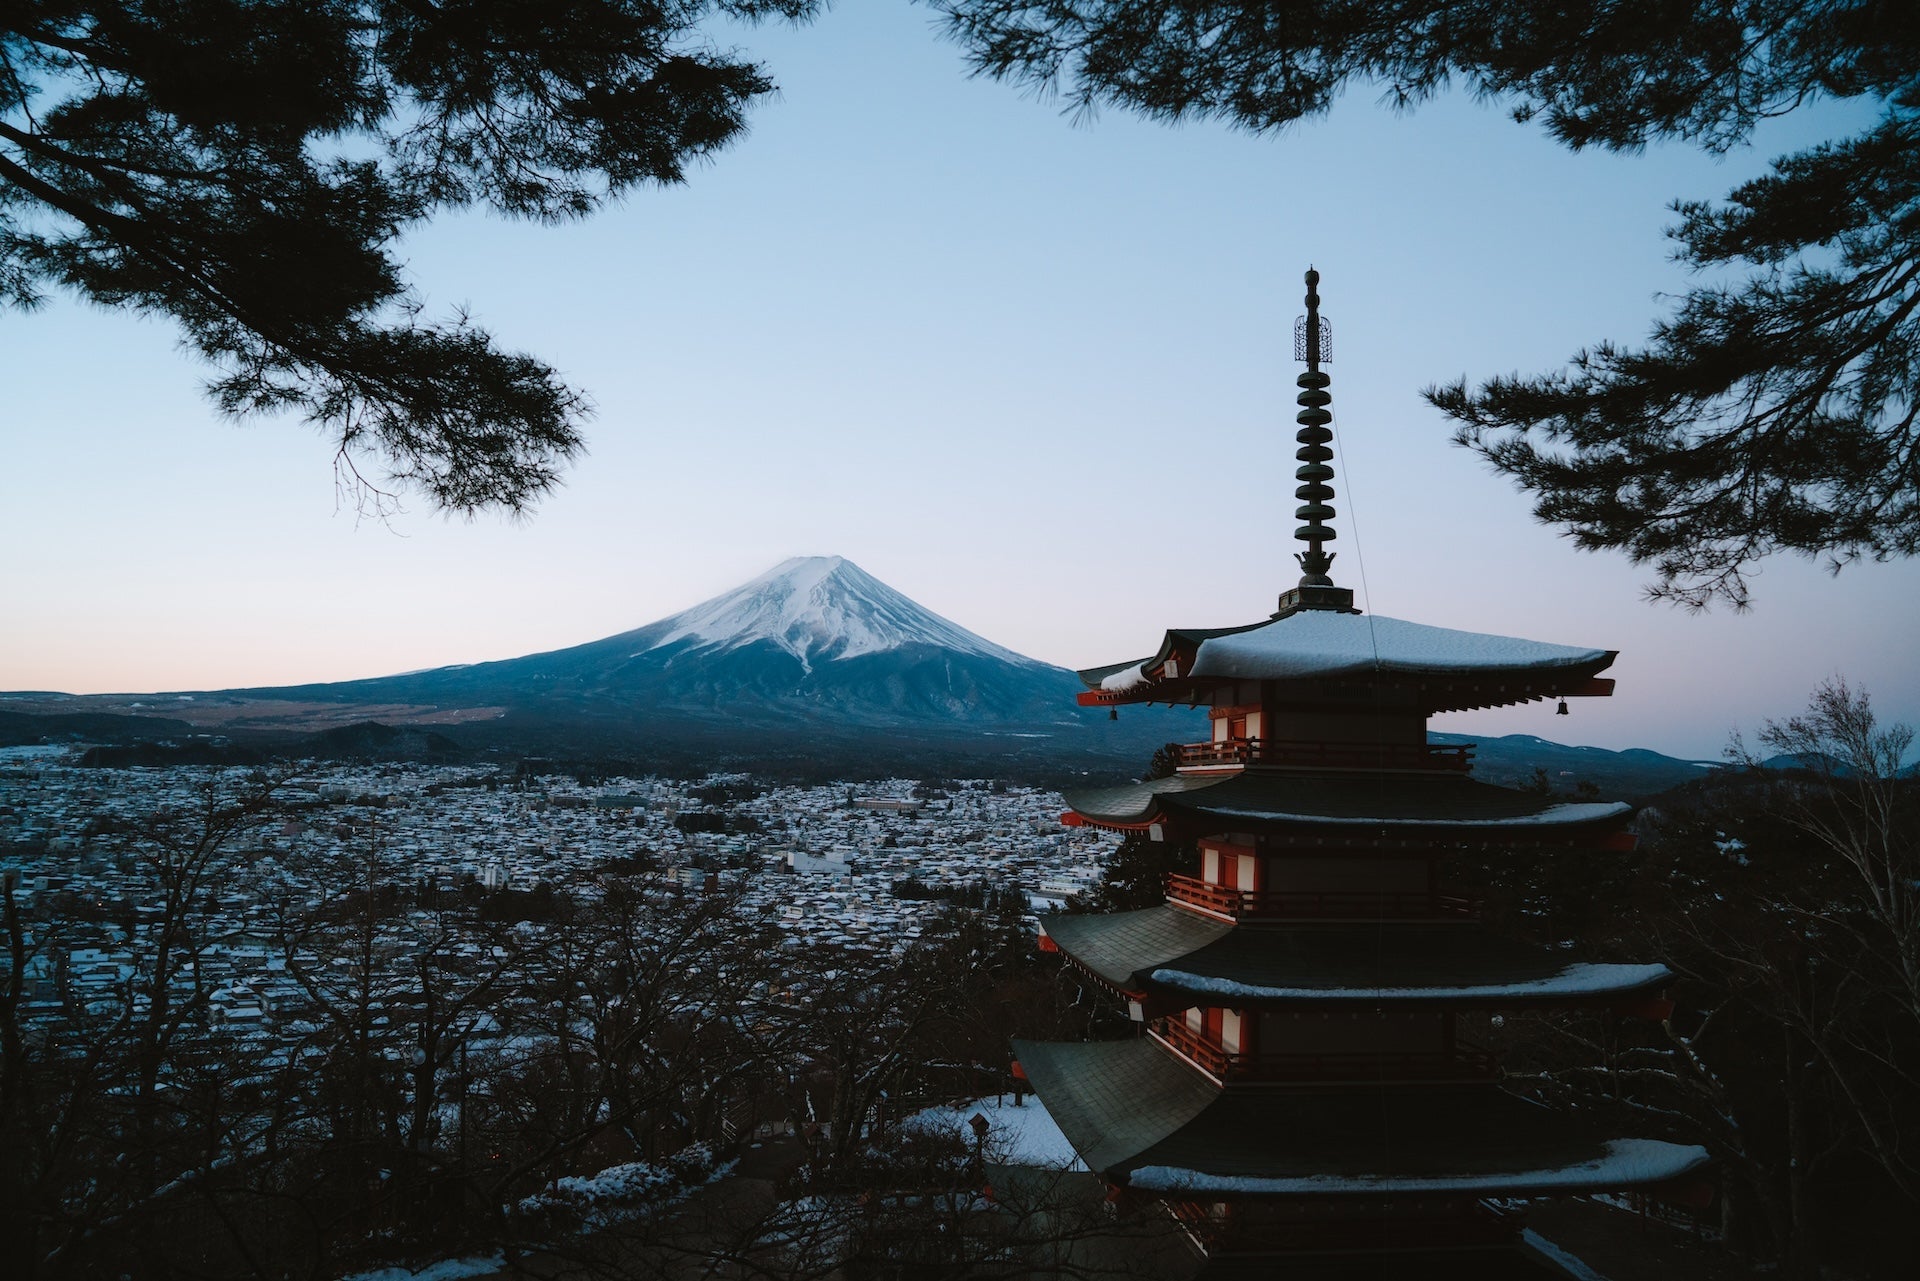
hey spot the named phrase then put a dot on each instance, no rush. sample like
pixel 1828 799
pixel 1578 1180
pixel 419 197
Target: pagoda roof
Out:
pixel 1168 951
pixel 1444 806
pixel 1141 1117
pixel 1453 669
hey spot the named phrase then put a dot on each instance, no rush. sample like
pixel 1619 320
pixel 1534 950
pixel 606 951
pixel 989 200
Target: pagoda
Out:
pixel 1304 1087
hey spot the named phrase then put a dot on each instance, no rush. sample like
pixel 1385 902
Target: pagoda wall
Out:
pixel 1361 1048
pixel 1341 714
pixel 1344 725
pixel 1339 874
pixel 1366 1032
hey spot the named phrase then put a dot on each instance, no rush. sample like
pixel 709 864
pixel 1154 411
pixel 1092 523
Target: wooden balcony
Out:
pixel 1423 757
pixel 1463 1063
pixel 1317 905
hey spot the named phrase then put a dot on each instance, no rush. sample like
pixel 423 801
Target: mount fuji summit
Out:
pixel 814 643
pixel 819 609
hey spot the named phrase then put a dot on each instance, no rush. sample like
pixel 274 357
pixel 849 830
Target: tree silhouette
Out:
pixel 1771 414
pixel 245 167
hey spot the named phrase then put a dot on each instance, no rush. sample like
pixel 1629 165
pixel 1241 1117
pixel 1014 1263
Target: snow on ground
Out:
pixel 445 1270
pixel 34 751
pixel 1024 1135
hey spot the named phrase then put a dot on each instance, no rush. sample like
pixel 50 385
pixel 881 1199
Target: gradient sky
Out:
pixel 1033 372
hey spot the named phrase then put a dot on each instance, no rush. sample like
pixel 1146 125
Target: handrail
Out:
pixel 1457 757
pixel 1316 904
pixel 1463 1063
pixel 1247 1230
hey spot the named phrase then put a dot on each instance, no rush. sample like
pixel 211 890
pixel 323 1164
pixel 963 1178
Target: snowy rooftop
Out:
pixel 1621 1163
pixel 1579 979
pixel 1135 1111
pixel 1023 1135
pixel 1323 643
pixel 1168 948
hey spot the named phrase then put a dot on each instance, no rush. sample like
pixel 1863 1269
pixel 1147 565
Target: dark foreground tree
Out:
pixel 246 167
pixel 1774 413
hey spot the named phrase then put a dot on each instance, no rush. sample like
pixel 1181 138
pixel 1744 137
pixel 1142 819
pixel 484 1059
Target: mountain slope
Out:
pixel 818 609
pixel 813 659
pixel 815 640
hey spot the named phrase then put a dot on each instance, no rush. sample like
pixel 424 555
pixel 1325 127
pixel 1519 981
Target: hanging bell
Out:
pixel 1562 709
pixel 1113 713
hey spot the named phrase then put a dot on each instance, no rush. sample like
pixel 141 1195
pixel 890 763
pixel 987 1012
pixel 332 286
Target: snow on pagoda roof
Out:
pixel 1182 954
pixel 1318 643
pixel 1451 803
pixel 1137 1114
pixel 1580 979
pixel 1621 1163
pixel 1457 669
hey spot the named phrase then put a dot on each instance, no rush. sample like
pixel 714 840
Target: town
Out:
pixel 500 990
pixel 863 869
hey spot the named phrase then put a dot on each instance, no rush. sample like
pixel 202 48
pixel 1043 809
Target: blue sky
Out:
pixel 1034 372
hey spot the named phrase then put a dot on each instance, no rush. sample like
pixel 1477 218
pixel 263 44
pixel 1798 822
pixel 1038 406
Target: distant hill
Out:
pixel 1634 774
pixel 813 663
pixel 815 667
pixel 19 729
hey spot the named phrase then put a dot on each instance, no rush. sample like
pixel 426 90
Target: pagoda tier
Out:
pixel 1436 669
pixel 1444 810
pixel 1146 1121
pixel 1301 1084
pixel 1169 958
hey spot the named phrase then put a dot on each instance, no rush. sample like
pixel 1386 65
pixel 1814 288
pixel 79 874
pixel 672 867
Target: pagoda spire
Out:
pixel 1313 343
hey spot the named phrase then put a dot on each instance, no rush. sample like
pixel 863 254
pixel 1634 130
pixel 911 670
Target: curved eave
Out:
pixel 1118 948
pixel 1619 1165
pixel 1173 958
pixel 1437 692
pixel 1449 670
pixel 1141 1117
pixel 1347 809
pixel 1579 984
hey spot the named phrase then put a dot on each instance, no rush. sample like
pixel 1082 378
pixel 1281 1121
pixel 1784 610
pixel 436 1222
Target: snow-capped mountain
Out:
pixel 815 643
pixel 819 609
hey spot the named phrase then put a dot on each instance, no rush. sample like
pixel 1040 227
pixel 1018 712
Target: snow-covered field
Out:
pixel 1024 1135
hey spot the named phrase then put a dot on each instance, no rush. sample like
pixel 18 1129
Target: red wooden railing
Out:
pixel 1462 1063
pixel 1395 756
pixel 1316 904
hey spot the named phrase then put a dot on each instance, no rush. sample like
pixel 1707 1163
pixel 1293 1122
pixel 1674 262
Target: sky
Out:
pixel 1034 371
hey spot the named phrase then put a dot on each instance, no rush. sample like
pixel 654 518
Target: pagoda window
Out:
pixel 1236 1032
pixel 1236 723
pixel 1232 865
